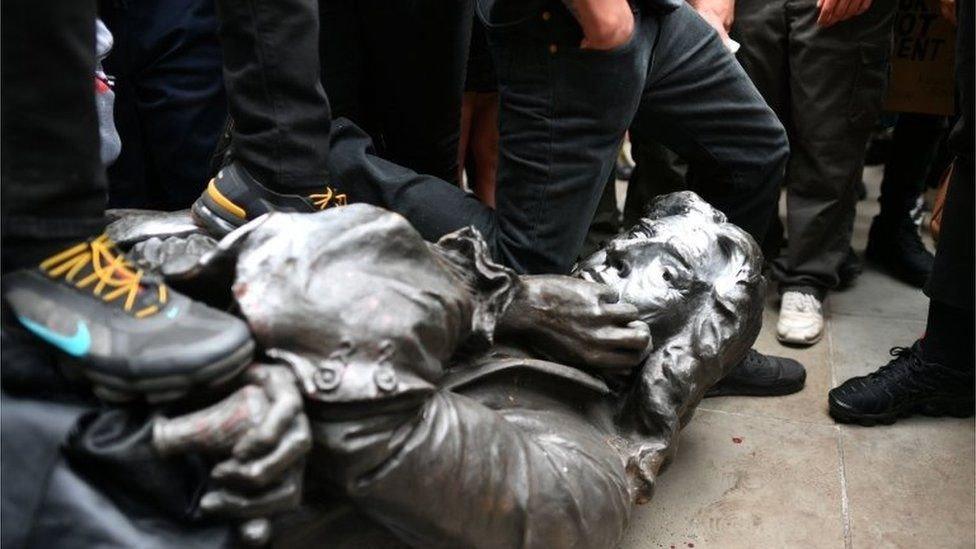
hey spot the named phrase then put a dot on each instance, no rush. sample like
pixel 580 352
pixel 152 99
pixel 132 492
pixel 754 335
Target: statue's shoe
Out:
pixel 761 375
pixel 235 197
pixel 123 329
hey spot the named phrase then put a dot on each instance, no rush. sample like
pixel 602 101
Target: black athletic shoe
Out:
pixel 906 385
pixel 898 249
pixel 125 330
pixel 234 197
pixel 761 375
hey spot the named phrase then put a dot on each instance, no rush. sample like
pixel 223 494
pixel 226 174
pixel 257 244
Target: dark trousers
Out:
pixel 170 105
pixel 563 113
pixel 951 281
pixel 914 147
pixel 656 172
pixel 271 71
pixel 53 183
pixel 826 85
pixel 396 68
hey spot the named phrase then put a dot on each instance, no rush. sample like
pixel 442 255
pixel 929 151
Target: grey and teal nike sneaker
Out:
pixel 125 330
pixel 234 197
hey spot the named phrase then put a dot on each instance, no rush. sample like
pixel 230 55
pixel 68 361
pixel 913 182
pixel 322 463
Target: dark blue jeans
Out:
pixel 170 105
pixel 563 114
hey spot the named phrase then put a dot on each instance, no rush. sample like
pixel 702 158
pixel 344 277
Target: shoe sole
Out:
pixel 171 387
pixel 752 391
pixel 213 217
pixel 932 408
pixel 799 342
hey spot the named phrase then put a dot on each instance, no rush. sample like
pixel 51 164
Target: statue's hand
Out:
pixel 174 256
pixel 264 435
pixel 575 322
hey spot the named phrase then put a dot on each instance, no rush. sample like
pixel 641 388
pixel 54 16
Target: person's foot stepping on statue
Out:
pixel 124 329
pixel 235 197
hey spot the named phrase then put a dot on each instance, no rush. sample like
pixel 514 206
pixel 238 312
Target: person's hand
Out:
pixel 717 13
pixel 948 10
pixel 606 24
pixel 576 322
pixel 263 436
pixel 835 11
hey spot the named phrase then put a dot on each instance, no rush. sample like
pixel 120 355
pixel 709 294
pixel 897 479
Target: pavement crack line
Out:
pixel 845 508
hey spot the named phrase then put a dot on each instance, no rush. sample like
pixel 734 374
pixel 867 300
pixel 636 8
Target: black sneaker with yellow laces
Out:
pixel 125 330
pixel 235 197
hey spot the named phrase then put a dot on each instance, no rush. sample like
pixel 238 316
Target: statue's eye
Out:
pixel 672 276
pixel 621 266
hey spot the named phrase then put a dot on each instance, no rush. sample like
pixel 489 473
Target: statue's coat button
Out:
pixel 385 379
pixel 326 378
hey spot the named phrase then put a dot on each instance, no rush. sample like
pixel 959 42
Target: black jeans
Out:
pixel 396 68
pixel 563 113
pixel 170 105
pixel 271 71
pixel 53 183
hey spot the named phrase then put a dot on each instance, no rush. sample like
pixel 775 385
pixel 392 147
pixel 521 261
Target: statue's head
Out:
pixel 683 260
pixel 697 281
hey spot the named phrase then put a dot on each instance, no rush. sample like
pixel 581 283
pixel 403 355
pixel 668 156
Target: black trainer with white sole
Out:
pixel 235 197
pixel 125 330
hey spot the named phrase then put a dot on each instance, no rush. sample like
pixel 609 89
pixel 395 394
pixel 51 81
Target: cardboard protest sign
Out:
pixel 922 60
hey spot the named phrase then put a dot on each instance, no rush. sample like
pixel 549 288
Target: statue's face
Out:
pixel 658 265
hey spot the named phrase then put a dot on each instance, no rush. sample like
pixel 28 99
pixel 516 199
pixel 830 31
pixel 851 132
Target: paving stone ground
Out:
pixel 777 472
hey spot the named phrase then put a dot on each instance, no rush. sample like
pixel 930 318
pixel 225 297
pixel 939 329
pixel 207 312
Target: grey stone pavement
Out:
pixel 777 472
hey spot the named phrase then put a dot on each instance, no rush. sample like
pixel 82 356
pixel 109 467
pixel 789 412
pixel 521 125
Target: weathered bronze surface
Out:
pixel 454 403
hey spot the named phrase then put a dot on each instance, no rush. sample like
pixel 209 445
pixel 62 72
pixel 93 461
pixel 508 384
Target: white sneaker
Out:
pixel 800 319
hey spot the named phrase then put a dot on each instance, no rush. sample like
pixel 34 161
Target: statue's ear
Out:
pixel 714 325
pixel 728 323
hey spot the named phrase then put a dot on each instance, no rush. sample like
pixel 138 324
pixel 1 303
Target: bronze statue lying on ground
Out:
pixel 449 400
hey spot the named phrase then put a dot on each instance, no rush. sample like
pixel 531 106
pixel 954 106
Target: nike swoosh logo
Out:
pixel 75 345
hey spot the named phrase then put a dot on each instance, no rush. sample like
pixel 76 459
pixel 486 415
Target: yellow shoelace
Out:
pixel 323 200
pixel 109 268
